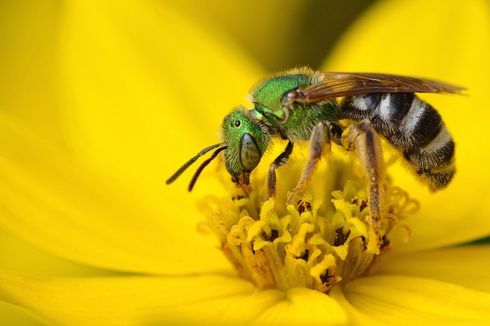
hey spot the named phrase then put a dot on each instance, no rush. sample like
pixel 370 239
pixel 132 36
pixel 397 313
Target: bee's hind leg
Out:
pixel 363 139
pixel 321 137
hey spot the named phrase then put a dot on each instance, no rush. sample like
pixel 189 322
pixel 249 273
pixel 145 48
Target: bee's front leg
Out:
pixel 243 182
pixel 279 161
pixel 363 139
pixel 319 141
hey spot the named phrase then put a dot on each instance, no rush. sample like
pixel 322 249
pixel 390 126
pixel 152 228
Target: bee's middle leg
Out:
pixel 319 141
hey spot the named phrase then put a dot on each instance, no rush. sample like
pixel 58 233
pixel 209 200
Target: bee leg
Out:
pixel 243 182
pixel 319 140
pixel 363 139
pixel 279 161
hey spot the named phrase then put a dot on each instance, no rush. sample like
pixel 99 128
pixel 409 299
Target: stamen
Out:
pixel 326 238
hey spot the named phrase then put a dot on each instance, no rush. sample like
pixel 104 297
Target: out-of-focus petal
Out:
pixel 71 211
pixel 447 41
pixel 356 317
pixel 21 256
pixel 303 307
pixel 194 300
pixel 14 316
pixel 271 31
pixel 403 300
pixel 466 266
pixel 28 63
pixel 145 89
pixel 198 300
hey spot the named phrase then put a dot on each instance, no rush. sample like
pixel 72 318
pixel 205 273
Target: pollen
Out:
pixel 324 238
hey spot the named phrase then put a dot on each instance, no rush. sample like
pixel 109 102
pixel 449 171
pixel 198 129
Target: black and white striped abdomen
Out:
pixel 412 126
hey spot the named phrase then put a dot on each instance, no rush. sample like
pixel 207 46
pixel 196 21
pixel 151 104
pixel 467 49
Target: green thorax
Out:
pixel 269 93
pixel 299 121
pixel 303 119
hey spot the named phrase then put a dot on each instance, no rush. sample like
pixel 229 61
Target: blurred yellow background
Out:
pixel 51 52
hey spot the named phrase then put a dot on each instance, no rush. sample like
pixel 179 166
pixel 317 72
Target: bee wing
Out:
pixel 338 84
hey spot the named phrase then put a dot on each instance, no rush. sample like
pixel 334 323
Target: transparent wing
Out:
pixel 338 84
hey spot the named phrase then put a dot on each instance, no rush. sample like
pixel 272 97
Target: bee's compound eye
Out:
pixel 237 123
pixel 249 152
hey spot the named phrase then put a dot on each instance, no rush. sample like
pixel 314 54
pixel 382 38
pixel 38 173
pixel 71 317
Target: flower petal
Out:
pixel 258 37
pixel 139 89
pixel 303 306
pixel 19 256
pixel 356 317
pixel 199 300
pixel 15 316
pixel 28 87
pixel 73 212
pixel 402 300
pixel 447 41
pixel 466 266
pixel 143 88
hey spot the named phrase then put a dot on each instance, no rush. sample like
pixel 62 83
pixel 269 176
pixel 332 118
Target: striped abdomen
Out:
pixel 412 126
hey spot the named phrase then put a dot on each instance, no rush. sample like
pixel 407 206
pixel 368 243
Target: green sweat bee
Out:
pixel 349 109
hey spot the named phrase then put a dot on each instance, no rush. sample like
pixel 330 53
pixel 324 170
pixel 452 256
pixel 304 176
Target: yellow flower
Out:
pixel 95 194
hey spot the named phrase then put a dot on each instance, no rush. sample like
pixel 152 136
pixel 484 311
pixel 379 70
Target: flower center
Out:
pixel 325 238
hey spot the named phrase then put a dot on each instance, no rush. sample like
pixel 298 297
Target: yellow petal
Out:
pixel 197 300
pixel 14 316
pixel 132 106
pixel 28 65
pixel 145 89
pixel 356 317
pixel 401 300
pixel 271 43
pixel 73 212
pixel 303 307
pixel 17 255
pixel 466 266
pixel 136 300
pixel 442 40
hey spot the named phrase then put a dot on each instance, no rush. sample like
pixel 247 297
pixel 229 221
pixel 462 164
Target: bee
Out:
pixel 352 110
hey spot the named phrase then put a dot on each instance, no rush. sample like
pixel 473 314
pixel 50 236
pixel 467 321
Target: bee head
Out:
pixel 246 140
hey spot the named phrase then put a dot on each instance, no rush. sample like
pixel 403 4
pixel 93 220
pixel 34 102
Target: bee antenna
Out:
pixel 189 163
pixel 202 166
